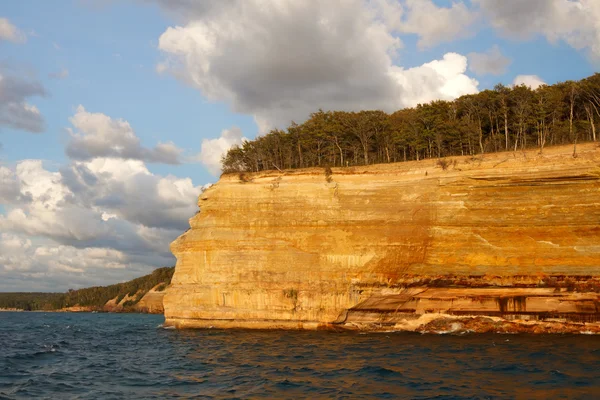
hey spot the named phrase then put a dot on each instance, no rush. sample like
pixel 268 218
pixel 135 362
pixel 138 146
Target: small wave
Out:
pixel 287 384
pixel 455 328
pixel 558 374
pixel 379 371
pixel 47 351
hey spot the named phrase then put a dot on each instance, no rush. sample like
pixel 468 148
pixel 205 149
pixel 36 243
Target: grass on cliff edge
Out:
pixel 94 297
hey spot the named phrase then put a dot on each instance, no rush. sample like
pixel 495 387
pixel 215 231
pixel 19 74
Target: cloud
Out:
pixel 575 22
pixel 88 218
pixel 15 112
pixel 281 60
pixel 62 74
pixel 127 190
pixel 98 135
pixel 10 32
pixel 186 10
pixel 49 203
pixel 432 23
pixel 491 62
pixel 10 190
pixel 29 266
pixel 213 149
pixel 443 79
pixel 102 212
pixel 533 81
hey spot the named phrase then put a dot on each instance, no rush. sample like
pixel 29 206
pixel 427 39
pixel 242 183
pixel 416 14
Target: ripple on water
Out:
pixel 131 356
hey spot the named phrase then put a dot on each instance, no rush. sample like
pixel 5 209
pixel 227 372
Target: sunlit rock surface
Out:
pixel 152 302
pixel 514 236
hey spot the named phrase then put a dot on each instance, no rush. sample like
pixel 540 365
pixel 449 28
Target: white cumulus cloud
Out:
pixel 434 24
pixel 533 81
pixel 443 79
pixel 281 60
pixel 98 135
pixel 213 150
pixel 26 265
pixel 87 218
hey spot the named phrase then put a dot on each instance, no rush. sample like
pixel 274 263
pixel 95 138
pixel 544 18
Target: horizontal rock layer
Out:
pixel 507 235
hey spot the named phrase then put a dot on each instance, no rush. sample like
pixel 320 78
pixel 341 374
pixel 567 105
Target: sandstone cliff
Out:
pixel 505 236
pixel 152 302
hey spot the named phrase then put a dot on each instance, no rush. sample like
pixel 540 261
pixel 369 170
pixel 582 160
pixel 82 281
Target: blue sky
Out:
pixel 111 57
pixel 202 75
pixel 111 61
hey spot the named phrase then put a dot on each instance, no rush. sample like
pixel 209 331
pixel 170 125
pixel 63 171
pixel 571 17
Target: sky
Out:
pixel 114 114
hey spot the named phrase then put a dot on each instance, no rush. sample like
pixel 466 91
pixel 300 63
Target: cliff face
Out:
pixel 505 236
pixel 152 302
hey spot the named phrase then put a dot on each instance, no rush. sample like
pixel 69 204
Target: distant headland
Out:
pixel 142 295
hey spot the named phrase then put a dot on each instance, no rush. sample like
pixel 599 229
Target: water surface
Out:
pixel 114 356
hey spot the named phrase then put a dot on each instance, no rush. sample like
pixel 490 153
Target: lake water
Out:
pixel 114 356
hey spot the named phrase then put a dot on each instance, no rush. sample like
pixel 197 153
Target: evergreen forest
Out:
pixel 502 119
pixel 94 297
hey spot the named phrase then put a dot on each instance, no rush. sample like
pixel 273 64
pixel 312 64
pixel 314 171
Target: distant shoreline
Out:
pixel 76 311
pixel 140 295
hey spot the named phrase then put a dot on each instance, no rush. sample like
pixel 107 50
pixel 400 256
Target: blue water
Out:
pixel 114 356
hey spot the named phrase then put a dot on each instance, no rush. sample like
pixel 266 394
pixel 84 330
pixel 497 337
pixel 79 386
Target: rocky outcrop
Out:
pixel 513 236
pixel 152 302
pixel 119 305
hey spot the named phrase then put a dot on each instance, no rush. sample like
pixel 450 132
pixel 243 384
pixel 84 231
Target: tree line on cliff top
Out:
pixel 505 118
pixel 93 297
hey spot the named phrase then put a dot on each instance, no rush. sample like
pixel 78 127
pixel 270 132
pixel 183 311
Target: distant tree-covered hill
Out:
pixel 93 297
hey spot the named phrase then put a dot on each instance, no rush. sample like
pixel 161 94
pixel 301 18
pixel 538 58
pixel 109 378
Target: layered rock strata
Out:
pixel 508 236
